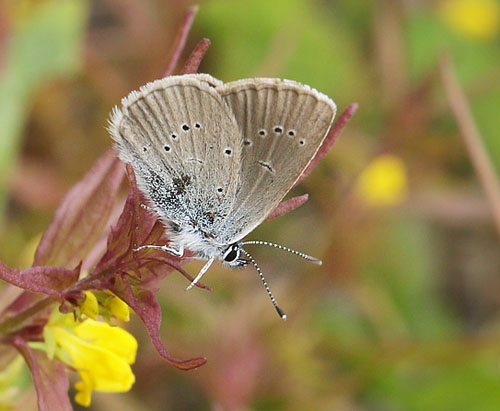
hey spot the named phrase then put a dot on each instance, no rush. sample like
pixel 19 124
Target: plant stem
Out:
pixel 481 161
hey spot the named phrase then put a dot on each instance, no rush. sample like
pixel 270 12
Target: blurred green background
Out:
pixel 404 313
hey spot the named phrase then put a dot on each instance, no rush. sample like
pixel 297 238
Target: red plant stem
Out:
pixel 330 139
pixel 473 141
pixel 194 60
pixel 180 40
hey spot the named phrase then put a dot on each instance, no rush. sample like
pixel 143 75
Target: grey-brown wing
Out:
pixel 182 142
pixel 283 124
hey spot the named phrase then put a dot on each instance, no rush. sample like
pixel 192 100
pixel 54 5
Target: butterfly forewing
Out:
pixel 283 124
pixel 182 141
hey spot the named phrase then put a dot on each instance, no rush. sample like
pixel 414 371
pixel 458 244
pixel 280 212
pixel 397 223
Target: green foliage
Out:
pixel 44 45
pixel 288 38
pixel 475 59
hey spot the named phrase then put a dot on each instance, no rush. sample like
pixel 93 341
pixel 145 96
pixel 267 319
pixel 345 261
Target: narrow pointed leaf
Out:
pixel 146 306
pixel 82 215
pixel 287 206
pixel 49 377
pixel 136 226
pixel 45 280
pixel 194 60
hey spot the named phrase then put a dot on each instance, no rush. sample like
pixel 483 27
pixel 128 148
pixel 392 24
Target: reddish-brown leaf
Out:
pixel 19 303
pixel 287 206
pixel 194 60
pixel 136 226
pixel 146 306
pixel 49 377
pixel 82 215
pixel 45 280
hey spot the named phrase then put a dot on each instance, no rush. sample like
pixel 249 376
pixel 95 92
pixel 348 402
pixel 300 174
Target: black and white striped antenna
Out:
pixel 273 300
pixel 304 256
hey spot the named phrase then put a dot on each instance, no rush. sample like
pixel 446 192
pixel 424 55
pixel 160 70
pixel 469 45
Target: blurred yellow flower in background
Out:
pixel 383 182
pixel 472 18
pixel 100 353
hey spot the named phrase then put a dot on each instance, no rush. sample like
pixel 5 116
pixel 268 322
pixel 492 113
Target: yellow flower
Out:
pixel 472 18
pixel 383 182
pixel 119 308
pixel 101 354
pixel 90 306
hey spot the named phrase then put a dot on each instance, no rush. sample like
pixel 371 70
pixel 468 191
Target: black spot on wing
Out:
pixel 181 183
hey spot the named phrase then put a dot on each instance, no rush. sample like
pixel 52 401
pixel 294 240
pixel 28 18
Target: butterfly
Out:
pixel 214 159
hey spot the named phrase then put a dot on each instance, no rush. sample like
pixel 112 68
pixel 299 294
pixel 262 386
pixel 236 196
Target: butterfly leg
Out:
pixel 146 207
pixel 173 251
pixel 195 258
pixel 200 274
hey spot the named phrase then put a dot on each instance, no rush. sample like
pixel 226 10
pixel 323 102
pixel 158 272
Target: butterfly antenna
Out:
pixel 304 256
pixel 273 300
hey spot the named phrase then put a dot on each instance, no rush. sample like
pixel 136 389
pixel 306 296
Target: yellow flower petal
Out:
pixel 383 182
pixel 119 309
pixel 84 390
pixel 472 18
pixel 90 306
pixel 114 339
pixel 100 353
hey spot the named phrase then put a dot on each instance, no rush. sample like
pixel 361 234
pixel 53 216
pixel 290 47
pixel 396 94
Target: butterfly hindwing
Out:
pixel 283 124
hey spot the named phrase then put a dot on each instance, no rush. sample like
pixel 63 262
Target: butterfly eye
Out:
pixel 232 253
